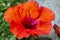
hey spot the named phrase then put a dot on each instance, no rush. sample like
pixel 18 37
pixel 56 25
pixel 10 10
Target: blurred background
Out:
pixel 5 34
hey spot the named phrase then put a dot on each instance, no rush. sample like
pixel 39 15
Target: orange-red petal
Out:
pixel 30 5
pixel 32 8
pixel 11 14
pixel 14 13
pixel 16 28
pixel 23 34
pixel 19 30
pixel 46 14
pixel 36 31
pixel 46 28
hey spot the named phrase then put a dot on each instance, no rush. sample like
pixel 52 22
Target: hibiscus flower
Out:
pixel 29 19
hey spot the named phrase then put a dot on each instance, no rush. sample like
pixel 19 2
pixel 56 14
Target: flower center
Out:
pixel 30 22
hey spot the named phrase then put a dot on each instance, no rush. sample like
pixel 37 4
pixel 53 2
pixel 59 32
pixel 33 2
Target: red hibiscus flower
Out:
pixel 29 19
